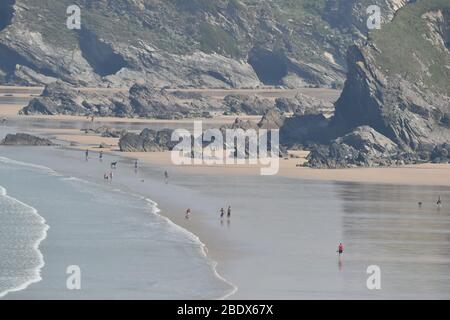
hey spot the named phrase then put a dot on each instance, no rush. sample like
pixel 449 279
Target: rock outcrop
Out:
pixel 147 141
pixel 250 105
pixel 140 101
pixel 304 105
pixel 23 139
pixel 362 147
pixel 401 91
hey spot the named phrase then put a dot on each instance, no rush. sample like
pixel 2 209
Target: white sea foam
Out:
pixel 195 239
pixel 28 165
pixel 153 209
pixel 36 277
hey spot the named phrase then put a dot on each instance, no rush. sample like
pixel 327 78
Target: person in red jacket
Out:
pixel 340 248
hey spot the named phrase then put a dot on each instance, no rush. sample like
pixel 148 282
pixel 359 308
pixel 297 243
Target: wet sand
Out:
pixel 281 239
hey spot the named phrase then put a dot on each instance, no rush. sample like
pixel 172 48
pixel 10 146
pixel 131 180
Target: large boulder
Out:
pixel 362 147
pixel 147 141
pixel 23 139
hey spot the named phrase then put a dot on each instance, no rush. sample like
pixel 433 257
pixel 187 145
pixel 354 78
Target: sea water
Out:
pixel 124 249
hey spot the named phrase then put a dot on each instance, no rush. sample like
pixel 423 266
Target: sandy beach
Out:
pixel 423 174
pixel 240 247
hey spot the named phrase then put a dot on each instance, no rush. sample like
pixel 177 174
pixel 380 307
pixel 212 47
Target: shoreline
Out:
pixel 203 250
pixel 155 209
pixel 423 174
pixel 219 249
pixel 36 246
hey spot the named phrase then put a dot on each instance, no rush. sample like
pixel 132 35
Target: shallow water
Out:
pixel 123 248
pixel 281 241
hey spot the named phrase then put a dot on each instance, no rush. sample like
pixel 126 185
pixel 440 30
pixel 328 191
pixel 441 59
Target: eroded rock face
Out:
pixel 196 43
pixel 62 98
pixel 302 105
pixel 403 94
pixel 352 14
pixel 23 139
pixel 251 105
pixel 362 147
pixel 141 101
pixel 147 141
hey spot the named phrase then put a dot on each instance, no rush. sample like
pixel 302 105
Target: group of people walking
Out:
pixel 222 213
pixel 438 203
pixel 109 175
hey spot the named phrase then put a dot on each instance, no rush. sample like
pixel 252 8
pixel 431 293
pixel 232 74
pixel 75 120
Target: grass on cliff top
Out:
pixel 179 26
pixel 405 50
pixel 48 17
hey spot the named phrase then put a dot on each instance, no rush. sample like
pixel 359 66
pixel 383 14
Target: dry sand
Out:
pixel 426 174
pixel 423 174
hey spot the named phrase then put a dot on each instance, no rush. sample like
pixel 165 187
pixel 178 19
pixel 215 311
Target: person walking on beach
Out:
pixel 110 175
pixel 100 155
pixel 87 153
pixel 166 176
pixel 105 176
pixel 222 213
pixel 188 213
pixel 135 164
pixel 439 202
pixel 340 249
pixel 229 212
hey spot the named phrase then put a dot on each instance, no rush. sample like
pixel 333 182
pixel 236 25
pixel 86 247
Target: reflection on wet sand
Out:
pixel 384 225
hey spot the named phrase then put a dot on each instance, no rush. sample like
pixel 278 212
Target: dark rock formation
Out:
pixel 62 98
pixel 401 93
pixel 106 132
pixel 251 105
pixel 147 141
pixel 23 139
pixel 141 101
pixel 440 154
pixel 272 119
pixel 399 89
pixel 362 147
pixel 304 105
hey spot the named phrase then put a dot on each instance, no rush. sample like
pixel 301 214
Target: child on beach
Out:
pixel 188 213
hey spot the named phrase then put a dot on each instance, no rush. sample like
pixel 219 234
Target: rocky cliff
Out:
pixel 178 43
pixel 398 83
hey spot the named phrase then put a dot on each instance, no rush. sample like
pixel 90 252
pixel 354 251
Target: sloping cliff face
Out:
pixel 209 43
pixel 351 15
pixel 399 81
